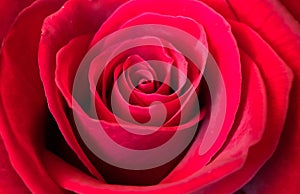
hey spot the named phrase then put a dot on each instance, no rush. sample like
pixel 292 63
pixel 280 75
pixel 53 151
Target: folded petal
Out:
pixel 279 75
pixel 74 19
pixel 24 120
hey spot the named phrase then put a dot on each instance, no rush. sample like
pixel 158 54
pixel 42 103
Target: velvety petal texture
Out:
pixel 9 11
pixel 10 180
pixel 21 128
pixel 149 96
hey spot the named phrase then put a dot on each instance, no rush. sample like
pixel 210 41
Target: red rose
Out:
pixel 149 96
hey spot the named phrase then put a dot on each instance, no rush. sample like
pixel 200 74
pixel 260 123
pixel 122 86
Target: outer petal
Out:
pixel 277 26
pixel 74 19
pixel 22 118
pixel 9 9
pixel 293 6
pixel 247 132
pixel 282 32
pixel 277 100
pixel 10 181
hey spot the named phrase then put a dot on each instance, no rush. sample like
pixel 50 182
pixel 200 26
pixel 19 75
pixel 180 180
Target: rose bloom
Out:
pixel 149 96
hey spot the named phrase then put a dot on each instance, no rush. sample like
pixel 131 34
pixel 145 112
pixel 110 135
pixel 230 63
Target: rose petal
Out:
pixel 281 76
pixel 9 9
pixel 147 53
pixel 68 59
pixel 10 181
pixel 285 40
pixel 273 23
pixel 293 7
pixel 183 23
pixel 23 118
pixel 80 17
